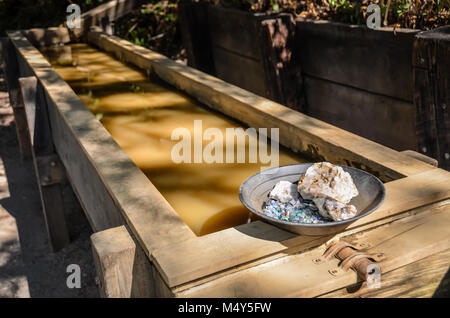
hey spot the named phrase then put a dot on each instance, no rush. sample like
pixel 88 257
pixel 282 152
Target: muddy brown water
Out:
pixel 141 114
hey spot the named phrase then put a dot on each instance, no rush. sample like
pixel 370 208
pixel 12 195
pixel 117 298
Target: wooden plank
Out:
pixel 428 277
pixel 253 79
pixel 48 169
pixel 281 63
pixel 403 242
pixel 123 269
pixel 378 61
pixel 11 71
pixel 421 157
pixel 249 50
pixel 313 137
pixel 195 34
pixel 431 93
pixel 111 192
pixel 235 30
pixel 299 248
pixel 190 260
pixel 28 87
pixel 372 116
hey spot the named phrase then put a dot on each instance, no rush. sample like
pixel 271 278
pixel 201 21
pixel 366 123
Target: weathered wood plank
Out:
pixel 11 71
pixel 428 277
pixel 421 157
pixel 123 269
pixel 281 61
pixel 48 169
pixel 373 116
pixel 313 137
pixel 299 248
pixel 28 87
pixel 189 260
pixel 195 34
pixel 403 242
pixel 378 61
pixel 226 63
pixel 431 93
pixel 226 30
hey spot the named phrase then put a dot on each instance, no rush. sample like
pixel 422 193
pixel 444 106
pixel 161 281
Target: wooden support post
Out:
pixel 431 62
pixel 48 168
pixel 195 34
pixel 123 269
pixel 282 68
pixel 15 97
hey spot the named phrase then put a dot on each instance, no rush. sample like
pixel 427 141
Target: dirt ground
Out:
pixel 28 267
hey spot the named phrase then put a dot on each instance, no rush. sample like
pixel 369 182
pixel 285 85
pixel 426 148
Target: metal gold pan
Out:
pixel 254 191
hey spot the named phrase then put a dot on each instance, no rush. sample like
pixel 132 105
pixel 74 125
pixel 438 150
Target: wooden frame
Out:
pixel 116 192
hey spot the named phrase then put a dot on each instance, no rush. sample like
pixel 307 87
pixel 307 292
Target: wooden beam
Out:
pixel 431 62
pixel 402 242
pixel 298 132
pixel 195 34
pixel 421 157
pixel 428 277
pixel 48 168
pixel 123 269
pixel 281 61
pixel 11 72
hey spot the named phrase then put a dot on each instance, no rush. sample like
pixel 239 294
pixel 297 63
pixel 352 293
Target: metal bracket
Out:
pixel 50 169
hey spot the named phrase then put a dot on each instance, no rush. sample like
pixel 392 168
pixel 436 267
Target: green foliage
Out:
pixel 26 14
pixel 155 26
pixel 420 14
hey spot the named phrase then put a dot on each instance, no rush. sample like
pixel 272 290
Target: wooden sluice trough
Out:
pixel 141 246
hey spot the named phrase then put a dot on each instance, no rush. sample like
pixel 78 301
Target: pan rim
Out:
pixel 319 225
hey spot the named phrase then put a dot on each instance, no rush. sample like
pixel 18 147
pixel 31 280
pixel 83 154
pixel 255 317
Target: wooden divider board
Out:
pixel 83 142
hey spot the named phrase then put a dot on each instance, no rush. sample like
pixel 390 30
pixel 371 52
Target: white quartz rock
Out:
pixel 335 210
pixel 284 191
pixel 326 180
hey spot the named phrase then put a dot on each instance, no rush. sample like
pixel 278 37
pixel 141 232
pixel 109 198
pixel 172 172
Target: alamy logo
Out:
pixel 374 19
pixel 73 20
pixel 234 139
pixel 373 276
pixel 74 279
